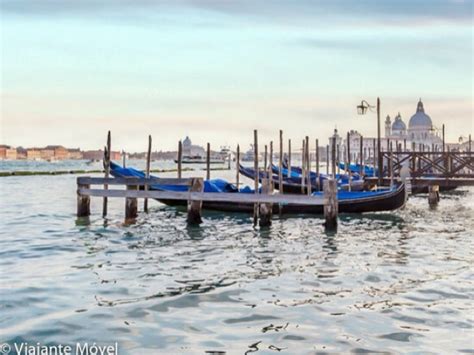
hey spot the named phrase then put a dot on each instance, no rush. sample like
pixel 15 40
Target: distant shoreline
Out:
pixel 75 172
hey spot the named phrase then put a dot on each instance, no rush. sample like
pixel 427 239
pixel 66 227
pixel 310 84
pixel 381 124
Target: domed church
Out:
pixel 420 128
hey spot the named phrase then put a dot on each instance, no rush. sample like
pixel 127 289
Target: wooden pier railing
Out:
pixel 135 189
pixel 444 165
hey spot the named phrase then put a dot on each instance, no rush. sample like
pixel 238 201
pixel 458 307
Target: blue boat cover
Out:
pixel 220 185
pixel 355 168
pixel 213 185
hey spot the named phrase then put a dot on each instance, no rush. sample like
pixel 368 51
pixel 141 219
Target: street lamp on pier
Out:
pixel 362 110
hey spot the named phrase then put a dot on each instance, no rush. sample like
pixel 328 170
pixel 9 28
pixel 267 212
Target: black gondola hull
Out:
pixel 386 202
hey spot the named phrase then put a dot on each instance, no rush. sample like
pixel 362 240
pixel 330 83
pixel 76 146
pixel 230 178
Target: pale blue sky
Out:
pixel 215 70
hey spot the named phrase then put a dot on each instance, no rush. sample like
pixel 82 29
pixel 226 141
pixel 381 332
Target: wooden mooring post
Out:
pixel 265 213
pixel 256 177
pixel 327 159
pixel 265 160
pixel 195 207
pixel 308 168
pixel 107 170
pixel 270 162
pixel 433 195
pixel 318 188
pixel 83 202
pixel 208 161
pixel 289 158
pixel 131 206
pixel 303 168
pixel 180 158
pixel 348 168
pixel 237 167
pixel 330 204
pixel 280 165
pixel 147 172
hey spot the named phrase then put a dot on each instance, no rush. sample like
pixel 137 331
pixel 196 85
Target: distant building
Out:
pixel 192 150
pixel 33 154
pixel 93 154
pixel 20 153
pixel 99 155
pixel 420 134
pixel 47 154
pixel 60 153
pixel 7 152
pixel 420 129
pixel 11 154
pixel 75 153
pixel 115 155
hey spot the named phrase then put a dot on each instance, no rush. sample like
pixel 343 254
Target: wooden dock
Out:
pixel 135 189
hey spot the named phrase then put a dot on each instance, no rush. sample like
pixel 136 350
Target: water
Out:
pixel 397 282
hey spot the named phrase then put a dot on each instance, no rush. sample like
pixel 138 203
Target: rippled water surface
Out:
pixel 394 282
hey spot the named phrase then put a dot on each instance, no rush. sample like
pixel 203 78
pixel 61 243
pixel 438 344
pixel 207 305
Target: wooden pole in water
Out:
pixel 280 165
pixel 303 166
pixel 444 142
pixel 147 173
pixel 83 202
pixel 237 167
pixel 375 160
pixel 330 204
pixel 333 153
pixel 265 219
pixel 390 166
pixel 318 188
pixel 131 206
pixel 271 164
pixel 338 158
pixel 194 207
pixel 348 166
pixel 265 161
pixel 404 144
pixel 349 148
pixel 124 158
pixel 470 144
pixel 379 147
pixel 308 168
pixel 433 196
pixel 208 161
pixel 107 170
pixel 256 172
pixel 180 158
pixel 289 157
pixel 361 153
pixel 327 159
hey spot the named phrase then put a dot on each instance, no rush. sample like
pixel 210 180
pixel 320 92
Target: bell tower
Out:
pixel 388 126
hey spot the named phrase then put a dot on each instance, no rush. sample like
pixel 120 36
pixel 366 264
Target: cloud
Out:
pixel 303 12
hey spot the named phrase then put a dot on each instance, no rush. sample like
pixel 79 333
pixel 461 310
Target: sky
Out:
pixel 215 70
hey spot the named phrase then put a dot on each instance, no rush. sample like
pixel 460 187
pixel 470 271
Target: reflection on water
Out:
pixel 391 282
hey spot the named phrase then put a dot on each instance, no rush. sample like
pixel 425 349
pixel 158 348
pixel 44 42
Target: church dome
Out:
pixel 398 124
pixel 187 142
pixel 420 119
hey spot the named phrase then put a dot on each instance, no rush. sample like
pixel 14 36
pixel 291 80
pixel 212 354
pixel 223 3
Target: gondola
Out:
pixel 292 184
pixel 355 168
pixel 418 188
pixel 349 202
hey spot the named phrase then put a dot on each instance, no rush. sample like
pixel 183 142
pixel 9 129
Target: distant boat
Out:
pixel 196 159
pixel 249 155
pixel 225 153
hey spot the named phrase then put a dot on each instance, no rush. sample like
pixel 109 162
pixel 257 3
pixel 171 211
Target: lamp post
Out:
pixel 362 110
